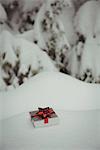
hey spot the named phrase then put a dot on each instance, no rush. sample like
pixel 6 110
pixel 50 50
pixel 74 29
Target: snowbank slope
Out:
pixel 51 89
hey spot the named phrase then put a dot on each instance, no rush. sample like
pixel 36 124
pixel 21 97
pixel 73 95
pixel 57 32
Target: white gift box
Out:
pixel 50 117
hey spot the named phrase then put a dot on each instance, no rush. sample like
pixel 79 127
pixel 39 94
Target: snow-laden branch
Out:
pixel 21 59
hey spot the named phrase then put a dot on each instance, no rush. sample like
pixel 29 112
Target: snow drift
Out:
pixel 51 89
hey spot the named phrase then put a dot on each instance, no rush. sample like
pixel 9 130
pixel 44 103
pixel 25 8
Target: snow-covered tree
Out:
pixel 85 58
pixel 54 35
pixel 54 32
pixel 20 60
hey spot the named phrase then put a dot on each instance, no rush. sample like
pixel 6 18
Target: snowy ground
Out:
pixel 79 113
pixel 76 131
pixel 1 138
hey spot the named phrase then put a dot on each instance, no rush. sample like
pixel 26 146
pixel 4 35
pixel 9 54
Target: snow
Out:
pixel 65 24
pixel 0 134
pixel 91 57
pixel 1 105
pixel 37 27
pixel 87 20
pixel 78 112
pixel 31 54
pixel 1 117
pixel 67 20
pixel 89 54
pixel 73 65
pixel 2 84
pixel 4 27
pixel 76 131
pixel 56 36
pixel 30 4
pixel 3 15
pixel 97 24
pixel 85 57
pixel 77 103
pixel 7 38
pixel 26 53
pixel 6 1
pixel 28 35
pixel 57 90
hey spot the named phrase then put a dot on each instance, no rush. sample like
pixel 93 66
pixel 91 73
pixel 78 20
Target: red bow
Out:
pixel 44 113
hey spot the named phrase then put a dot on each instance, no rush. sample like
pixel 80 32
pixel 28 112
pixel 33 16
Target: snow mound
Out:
pixel 56 90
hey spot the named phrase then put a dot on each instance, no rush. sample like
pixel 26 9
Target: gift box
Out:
pixel 44 117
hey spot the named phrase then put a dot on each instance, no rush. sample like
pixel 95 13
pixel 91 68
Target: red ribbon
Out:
pixel 44 113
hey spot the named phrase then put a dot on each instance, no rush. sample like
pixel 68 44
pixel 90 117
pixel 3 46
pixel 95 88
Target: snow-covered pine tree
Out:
pixel 20 60
pixel 66 32
pixel 87 56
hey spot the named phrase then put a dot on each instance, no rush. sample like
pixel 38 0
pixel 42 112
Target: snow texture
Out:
pixel 53 36
pixel 76 131
pixel 87 19
pixel 78 112
pixel 3 15
pixel 21 58
pixel 51 89
pixel 49 35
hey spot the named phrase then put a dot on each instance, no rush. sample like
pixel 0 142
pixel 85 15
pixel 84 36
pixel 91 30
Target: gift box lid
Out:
pixel 42 113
